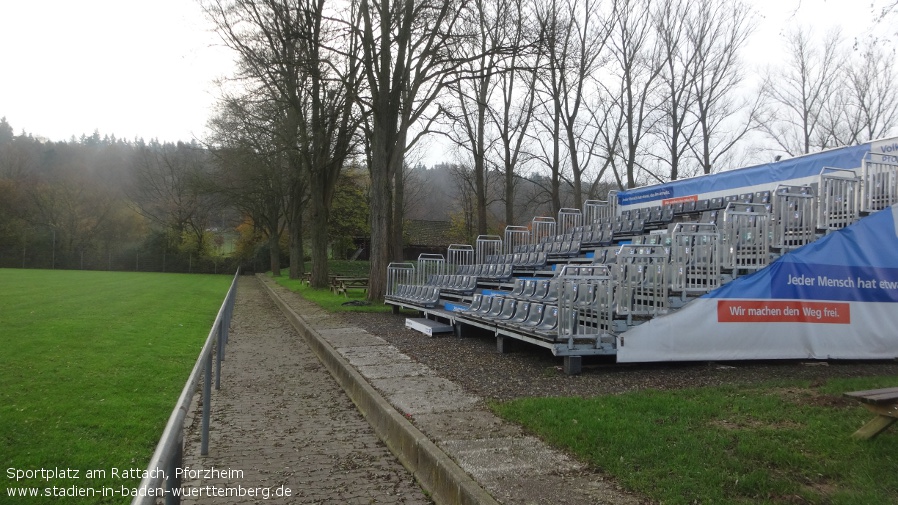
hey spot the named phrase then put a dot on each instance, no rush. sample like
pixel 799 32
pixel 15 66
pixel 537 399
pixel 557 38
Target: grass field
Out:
pixel 786 443
pixel 90 368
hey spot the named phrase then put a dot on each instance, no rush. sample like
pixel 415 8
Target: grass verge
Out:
pixel 783 443
pixel 91 366
pixel 326 298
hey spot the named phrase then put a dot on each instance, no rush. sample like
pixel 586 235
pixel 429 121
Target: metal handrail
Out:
pixel 168 455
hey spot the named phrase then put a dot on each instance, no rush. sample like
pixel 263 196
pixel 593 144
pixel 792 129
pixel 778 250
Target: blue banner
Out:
pixel 803 281
pixel 734 181
pixel 858 263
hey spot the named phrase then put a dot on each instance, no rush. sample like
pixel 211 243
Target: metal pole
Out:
pixel 172 479
pixel 218 352
pixel 207 404
pixel 229 311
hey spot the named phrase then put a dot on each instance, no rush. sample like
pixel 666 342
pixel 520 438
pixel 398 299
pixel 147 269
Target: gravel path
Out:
pixel 473 363
pixel 285 425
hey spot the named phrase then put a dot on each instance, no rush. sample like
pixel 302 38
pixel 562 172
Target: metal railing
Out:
pixel 169 452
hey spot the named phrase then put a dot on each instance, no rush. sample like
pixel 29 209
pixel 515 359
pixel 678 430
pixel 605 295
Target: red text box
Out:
pixel 782 311
pixel 671 201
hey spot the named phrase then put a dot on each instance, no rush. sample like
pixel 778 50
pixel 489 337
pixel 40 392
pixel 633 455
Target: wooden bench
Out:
pixel 883 403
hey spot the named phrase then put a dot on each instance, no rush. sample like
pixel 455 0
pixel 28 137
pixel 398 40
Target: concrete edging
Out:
pixel 447 482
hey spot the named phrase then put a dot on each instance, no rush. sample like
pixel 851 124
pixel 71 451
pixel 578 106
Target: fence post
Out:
pixel 207 404
pixel 172 479
pixel 218 352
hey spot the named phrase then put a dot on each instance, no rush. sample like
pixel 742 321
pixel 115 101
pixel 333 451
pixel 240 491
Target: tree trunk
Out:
pixel 509 195
pixel 320 217
pixel 274 252
pixel 480 192
pixel 381 214
pixel 575 166
pixel 297 265
pixel 398 215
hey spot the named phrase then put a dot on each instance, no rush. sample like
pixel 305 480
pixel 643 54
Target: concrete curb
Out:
pixel 437 472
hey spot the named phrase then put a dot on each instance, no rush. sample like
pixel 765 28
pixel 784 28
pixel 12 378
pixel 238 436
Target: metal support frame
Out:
pixel 642 287
pixel 879 175
pixel 694 258
pixel 488 245
pixel 839 198
pixel 746 237
pixel 516 236
pixel 795 217
pixel 542 227
pixel 568 219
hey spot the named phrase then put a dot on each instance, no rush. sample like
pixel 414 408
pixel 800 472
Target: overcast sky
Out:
pixel 137 68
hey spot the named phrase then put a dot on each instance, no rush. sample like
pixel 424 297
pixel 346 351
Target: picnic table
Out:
pixel 883 403
pixel 340 285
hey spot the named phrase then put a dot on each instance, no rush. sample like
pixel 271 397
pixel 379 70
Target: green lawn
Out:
pixel 783 443
pixel 328 300
pixel 91 366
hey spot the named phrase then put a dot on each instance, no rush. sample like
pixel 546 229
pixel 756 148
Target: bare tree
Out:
pixel 252 172
pixel 512 118
pixel 485 23
pixel 638 66
pixel 870 97
pixel 407 60
pixel 717 31
pixel 555 24
pixel 168 189
pixel 675 128
pixel 800 92
pixel 309 65
pixel 589 34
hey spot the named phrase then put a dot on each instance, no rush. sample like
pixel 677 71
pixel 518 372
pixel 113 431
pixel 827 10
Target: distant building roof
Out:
pixel 420 232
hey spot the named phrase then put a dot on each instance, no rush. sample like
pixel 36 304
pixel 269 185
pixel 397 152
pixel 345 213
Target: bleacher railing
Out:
pixel 168 456
pixel 399 274
pixel 585 304
pixel 488 246
pixel 458 255
pixel 880 182
pixel 795 217
pixel 746 236
pixel 839 198
pixel 642 286
pixel 597 210
pixel 542 227
pixel 428 266
pixel 568 219
pixel 515 237
pixel 694 258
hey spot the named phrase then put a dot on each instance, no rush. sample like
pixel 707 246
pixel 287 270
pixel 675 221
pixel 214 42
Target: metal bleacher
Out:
pixel 577 282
